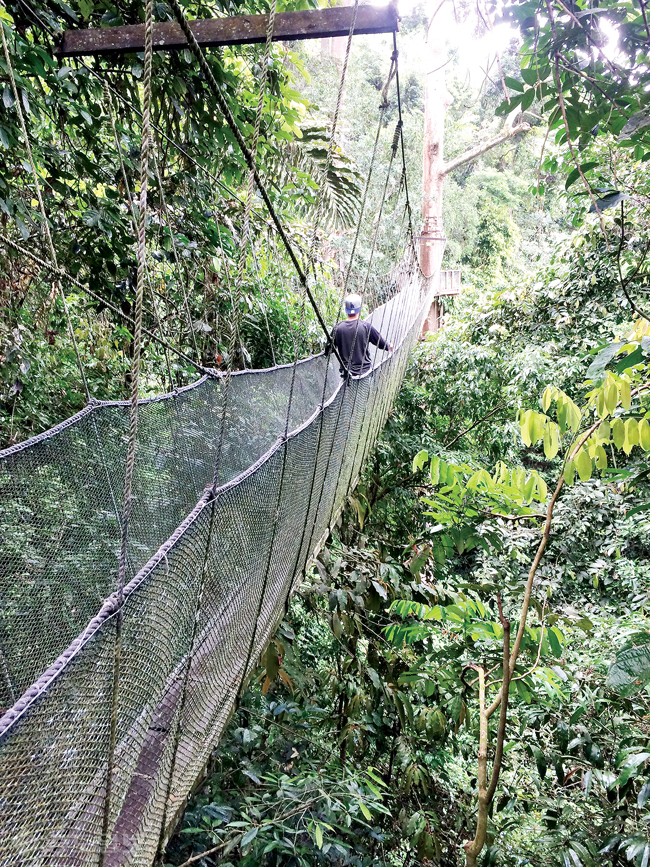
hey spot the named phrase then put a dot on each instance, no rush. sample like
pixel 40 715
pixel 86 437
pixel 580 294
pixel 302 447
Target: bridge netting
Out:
pixel 149 548
pixel 206 593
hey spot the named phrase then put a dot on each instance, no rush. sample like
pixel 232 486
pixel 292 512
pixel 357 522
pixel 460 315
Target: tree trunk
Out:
pixel 437 100
pixel 432 240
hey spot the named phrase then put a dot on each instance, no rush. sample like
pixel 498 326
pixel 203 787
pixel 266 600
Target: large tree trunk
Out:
pixel 432 241
pixel 437 100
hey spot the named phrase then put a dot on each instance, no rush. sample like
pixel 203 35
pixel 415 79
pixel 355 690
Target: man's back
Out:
pixel 352 338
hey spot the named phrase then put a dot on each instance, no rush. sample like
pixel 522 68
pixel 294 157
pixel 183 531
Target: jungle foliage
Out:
pixel 83 123
pixel 496 547
pixel 497 544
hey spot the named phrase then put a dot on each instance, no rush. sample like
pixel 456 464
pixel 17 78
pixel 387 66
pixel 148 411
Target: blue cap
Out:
pixel 353 304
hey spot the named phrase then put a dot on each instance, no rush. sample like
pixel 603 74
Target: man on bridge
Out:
pixel 352 338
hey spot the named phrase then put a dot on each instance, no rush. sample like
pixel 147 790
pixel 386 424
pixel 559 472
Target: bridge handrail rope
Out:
pixel 382 109
pixel 177 263
pixel 54 266
pixel 199 166
pixel 181 149
pixel 405 173
pixel 332 142
pixel 397 134
pixel 319 417
pixel 215 479
pixel 110 90
pixel 319 211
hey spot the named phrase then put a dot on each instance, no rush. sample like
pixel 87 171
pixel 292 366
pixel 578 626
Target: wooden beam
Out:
pixel 238 30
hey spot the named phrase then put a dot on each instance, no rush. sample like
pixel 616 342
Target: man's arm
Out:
pixel 375 337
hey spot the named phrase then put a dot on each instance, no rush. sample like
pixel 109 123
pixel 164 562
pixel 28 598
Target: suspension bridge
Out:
pixel 150 547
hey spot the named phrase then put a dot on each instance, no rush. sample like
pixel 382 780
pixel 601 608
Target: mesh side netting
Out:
pixel 61 499
pixel 210 580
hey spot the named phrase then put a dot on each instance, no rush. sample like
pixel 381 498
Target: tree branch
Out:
pixel 623 282
pixel 503 715
pixel 476 424
pixel 472 154
pixel 473 848
pixel 488 22
pixel 542 545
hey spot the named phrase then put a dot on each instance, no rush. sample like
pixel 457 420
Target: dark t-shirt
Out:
pixel 352 337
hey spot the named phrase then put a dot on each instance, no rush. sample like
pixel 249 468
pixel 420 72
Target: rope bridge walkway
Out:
pixel 114 692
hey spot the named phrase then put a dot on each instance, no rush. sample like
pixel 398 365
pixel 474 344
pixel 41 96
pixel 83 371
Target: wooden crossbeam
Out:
pixel 237 30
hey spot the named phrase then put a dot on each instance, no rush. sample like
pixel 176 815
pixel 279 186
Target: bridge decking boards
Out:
pixel 237 30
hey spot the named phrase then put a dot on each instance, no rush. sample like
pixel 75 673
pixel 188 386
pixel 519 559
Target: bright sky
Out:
pixel 474 54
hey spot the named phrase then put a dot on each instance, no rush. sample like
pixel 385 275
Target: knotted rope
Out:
pixel 133 415
pixel 108 100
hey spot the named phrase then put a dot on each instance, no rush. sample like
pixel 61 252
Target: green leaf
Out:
pixel 547 397
pixel 318 835
pixel 644 434
pixel 529 75
pixel 624 390
pixel 526 425
pixel 631 435
pixel 436 723
pixel 618 432
pixel 583 464
pixel 637 122
pixel 540 423
pixel 569 472
pixel 528 488
pixel 601 361
pixel 609 201
pixel 604 432
pixel 630 360
pixel 594 754
pixel 631 670
pixel 611 397
pixel 573 176
pixel 645 507
pixel 528 99
pixel 420 460
pixel 249 836
pixel 513 84
pixel 435 470
pixel 644 794
pixel 420 560
pixel 555 639
pixel 631 766
pixel 551 440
